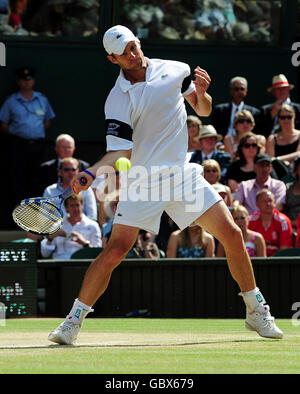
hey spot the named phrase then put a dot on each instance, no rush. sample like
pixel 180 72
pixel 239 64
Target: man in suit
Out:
pixel 280 89
pixel 208 139
pixel 64 147
pixel 223 114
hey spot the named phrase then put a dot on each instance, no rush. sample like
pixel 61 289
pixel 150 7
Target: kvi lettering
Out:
pixel 2 55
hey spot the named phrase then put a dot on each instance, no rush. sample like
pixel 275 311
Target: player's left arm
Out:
pixel 200 100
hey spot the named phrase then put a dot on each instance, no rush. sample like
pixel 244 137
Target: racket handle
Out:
pixel 83 180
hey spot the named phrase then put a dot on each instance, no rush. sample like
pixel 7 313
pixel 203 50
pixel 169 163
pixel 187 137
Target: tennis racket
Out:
pixel 41 215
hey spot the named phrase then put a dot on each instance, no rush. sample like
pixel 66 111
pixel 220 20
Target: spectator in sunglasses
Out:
pixel 69 167
pixel 223 114
pixel 280 89
pixel 242 169
pixel 285 144
pixel 243 123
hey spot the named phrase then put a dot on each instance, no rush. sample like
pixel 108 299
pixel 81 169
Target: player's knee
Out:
pixel 233 237
pixel 118 249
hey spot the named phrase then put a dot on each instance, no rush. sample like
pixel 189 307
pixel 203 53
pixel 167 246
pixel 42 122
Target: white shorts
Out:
pixel 184 196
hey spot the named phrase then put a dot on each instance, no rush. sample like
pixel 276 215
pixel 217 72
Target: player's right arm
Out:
pixel 118 130
pixel 103 166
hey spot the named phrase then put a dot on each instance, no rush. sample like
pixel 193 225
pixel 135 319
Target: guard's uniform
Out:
pixel 26 139
pixel 150 118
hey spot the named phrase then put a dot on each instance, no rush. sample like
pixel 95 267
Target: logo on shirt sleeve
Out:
pixel 112 128
pixel 118 128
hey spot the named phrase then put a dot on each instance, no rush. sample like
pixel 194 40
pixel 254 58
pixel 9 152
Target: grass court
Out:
pixel 148 346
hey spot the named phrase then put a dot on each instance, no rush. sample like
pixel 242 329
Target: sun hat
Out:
pixel 280 81
pixel 208 131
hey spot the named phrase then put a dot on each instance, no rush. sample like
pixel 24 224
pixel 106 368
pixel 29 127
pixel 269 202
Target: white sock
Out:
pixel 78 312
pixel 253 298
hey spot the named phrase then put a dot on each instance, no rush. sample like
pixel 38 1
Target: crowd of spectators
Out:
pixel 250 155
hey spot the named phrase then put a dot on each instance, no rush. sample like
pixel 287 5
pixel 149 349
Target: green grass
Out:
pixel 149 346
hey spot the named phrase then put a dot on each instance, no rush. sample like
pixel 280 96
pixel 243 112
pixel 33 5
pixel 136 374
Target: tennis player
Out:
pixel 146 122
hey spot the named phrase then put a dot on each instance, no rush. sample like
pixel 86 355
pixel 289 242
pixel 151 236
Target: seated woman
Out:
pixel 78 231
pixel 242 168
pixel 193 241
pixel 212 173
pixel 285 144
pixel 193 125
pixel 292 201
pixel 243 123
pixel 254 242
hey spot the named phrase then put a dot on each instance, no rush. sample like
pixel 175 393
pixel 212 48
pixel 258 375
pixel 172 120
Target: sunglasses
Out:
pixel 67 169
pixel 237 89
pixel 285 116
pixel 212 170
pixel 244 121
pixel 250 145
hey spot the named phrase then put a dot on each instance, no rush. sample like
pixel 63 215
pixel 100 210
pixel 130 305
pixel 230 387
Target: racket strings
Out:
pixel 40 217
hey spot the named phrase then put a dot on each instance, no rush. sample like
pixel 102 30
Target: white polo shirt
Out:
pixel 150 117
pixel 62 248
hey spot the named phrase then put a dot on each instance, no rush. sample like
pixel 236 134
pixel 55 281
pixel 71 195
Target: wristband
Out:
pixel 88 172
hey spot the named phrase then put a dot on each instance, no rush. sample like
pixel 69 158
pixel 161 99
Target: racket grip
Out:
pixel 83 180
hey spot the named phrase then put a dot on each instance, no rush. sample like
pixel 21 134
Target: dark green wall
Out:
pixel 76 77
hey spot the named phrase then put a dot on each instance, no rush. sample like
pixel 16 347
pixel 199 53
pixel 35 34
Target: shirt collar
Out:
pixel 82 221
pixel 267 184
pixel 208 155
pixel 20 97
pixel 125 85
pixel 239 107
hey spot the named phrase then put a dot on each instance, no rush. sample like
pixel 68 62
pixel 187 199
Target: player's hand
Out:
pixel 80 182
pixel 202 80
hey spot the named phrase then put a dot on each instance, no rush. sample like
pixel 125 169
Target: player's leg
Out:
pixel 99 272
pixel 95 282
pixel 218 221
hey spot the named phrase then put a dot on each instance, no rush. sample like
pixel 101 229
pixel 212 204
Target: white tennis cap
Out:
pixel 116 38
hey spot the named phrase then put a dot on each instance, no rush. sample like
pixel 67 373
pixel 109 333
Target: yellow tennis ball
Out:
pixel 123 164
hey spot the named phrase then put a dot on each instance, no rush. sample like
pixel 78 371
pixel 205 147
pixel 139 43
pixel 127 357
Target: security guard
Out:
pixel 25 116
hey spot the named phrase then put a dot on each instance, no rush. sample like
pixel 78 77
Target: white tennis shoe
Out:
pixel 65 334
pixel 261 321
